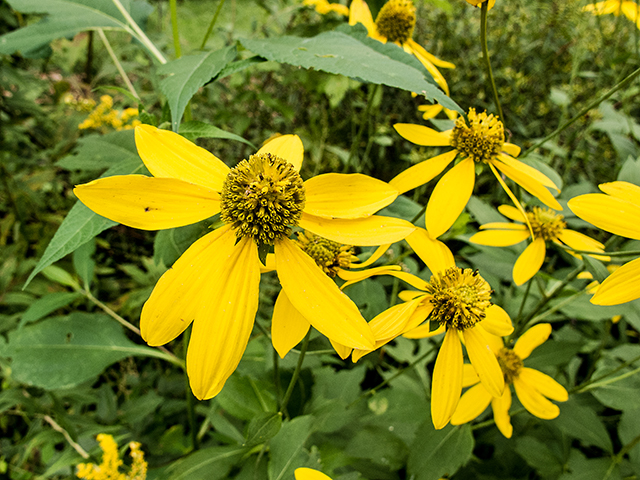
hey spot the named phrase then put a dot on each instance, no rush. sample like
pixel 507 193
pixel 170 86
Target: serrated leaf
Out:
pixel 262 428
pixel 596 268
pixel 62 352
pixel 582 423
pixel 99 152
pixel 193 130
pixel 287 447
pixel 187 74
pixel 211 463
pixel 46 305
pixel 337 52
pixel 83 262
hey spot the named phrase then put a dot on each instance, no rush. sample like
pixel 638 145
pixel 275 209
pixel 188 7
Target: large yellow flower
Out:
pixel 531 385
pixel 215 282
pixel 480 142
pixel 395 23
pixel 617 212
pixel 629 8
pixel 546 225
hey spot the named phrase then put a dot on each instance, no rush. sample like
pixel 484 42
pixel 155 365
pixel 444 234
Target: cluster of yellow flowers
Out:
pixel 103 115
pixel 109 469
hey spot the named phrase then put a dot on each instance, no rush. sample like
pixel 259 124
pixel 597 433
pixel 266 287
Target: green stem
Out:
pixel 587 385
pixel 610 380
pixel 363 123
pixel 623 83
pixel 419 214
pixel 212 24
pixel 628 253
pixel 567 301
pixel 485 54
pixel 173 6
pixel 524 300
pixel 117 63
pixel 139 34
pixel 296 374
pixel 88 66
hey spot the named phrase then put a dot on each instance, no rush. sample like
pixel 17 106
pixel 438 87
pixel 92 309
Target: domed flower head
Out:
pixel 481 142
pixel 547 226
pixel 533 388
pixel 616 211
pixel 629 8
pixel 395 23
pixel 215 282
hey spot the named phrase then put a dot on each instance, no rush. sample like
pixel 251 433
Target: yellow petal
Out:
pixel 500 407
pixel 178 294
pixel 602 8
pixel 529 183
pixel 447 380
pixel 288 326
pixel 342 351
pixel 469 375
pixel 287 147
pixel 424 331
pixel 359 13
pixel 430 111
pixel 615 215
pixel 422 172
pixel 623 190
pixel 534 401
pixel 512 212
pixel 502 225
pixel 413 48
pixel 511 149
pixel 630 10
pixel 366 232
pixel 529 170
pixel 484 361
pixel 497 322
pixel 421 135
pixel 449 197
pixel 435 254
pixel 532 338
pixel 407 295
pixel 621 286
pixel 472 403
pixel 167 154
pixel 355 276
pixel 224 321
pixel 148 203
pixel 319 300
pixel 270 264
pixel 500 238
pixel 546 385
pixel 419 51
pixel 379 252
pixel 309 474
pixel 336 195
pixel 529 261
pixel 513 198
pixel 579 241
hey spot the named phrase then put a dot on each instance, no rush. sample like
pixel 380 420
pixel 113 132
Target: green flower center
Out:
pixel 329 255
pixel 546 223
pixel 482 139
pixel 396 20
pixel 262 198
pixel 460 297
pixel 510 363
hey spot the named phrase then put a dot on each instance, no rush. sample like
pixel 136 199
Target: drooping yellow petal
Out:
pixel 532 172
pixel 579 241
pixel 424 331
pixel 513 198
pixel 422 172
pixel 502 226
pixel 148 203
pixel 379 252
pixel 342 351
pixel 623 190
pixel 435 254
pixel 529 183
pixel 529 261
pixel 512 212
pixel 500 407
pixel 449 197
pixel 532 338
pixel 534 401
pixel 621 286
pixel 447 380
pixel 366 232
pixel 359 13
pixel 309 474
pixel 287 147
pixel 175 299
pixel 224 321
pixel 421 135
pixel 422 55
pixel 542 382
pixel 430 111
pixel 169 155
pixel 469 375
pixel 484 360
pixel 497 322
pixel 615 215
pixel 355 276
pixel 336 195
pixel 419 51
pixel 511 149
pixel 472 403
pixel 318 299
pixel 501 238
pixel 288 326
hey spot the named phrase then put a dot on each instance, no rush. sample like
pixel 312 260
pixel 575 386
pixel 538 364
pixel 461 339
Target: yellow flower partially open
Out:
pixel 629 8
pixel 215 282
pixel 531 385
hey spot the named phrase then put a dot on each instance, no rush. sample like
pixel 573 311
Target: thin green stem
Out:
pixel 114 58
pixel 628 253
pixel 587 385
pixel 567 301
pixel 296 374
pixel 419 214
pixel 524 300
pixel 363 124
pixel 139 34
pixel 212 24
pixel 610 380
pixel 623 83
pixel 485 54
pixel 173 7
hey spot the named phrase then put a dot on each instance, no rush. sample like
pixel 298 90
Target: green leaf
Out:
pixel 211 463
pixel 596 267
pixel 580 467
pixel 435 453
pixel 582 423
pixel 193 130
pixel 245 398
pixel 46 305
pixel 63 352
pixel 187 74
pixel 539 455
pixel 262 428
pixel 337 52
pixel 287 447
pixel 83 262
pixel 61 276
pixel 99 152
pixel 171 243
pixel 239 65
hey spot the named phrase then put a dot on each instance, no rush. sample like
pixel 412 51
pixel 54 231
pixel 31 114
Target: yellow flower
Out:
pixel 215 282
pixel 546 225
pixel 617 212
pixel 395 23
pixel 531 385
pixel 481 142
pixel 108 469
pixel 478 3
pixel 324 7
pixel 628 8
pixel 310 474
